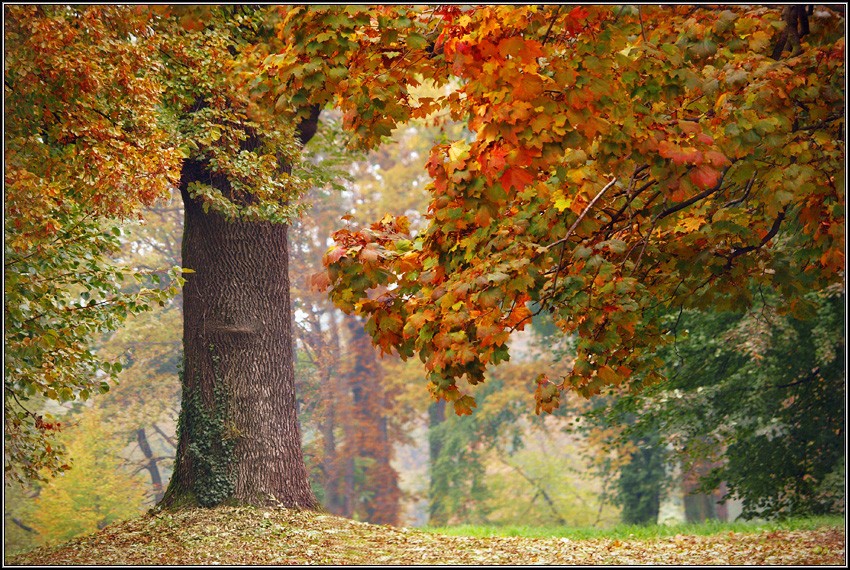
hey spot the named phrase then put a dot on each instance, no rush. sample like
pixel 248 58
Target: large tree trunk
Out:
pixel 239 437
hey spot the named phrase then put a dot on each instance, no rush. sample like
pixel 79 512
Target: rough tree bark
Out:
pixel 239 437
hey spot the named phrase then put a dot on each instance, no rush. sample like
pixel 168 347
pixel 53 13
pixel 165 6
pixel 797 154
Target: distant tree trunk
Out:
pixel 369 437
pixel 239 437
pixel 333 476
pixel 436 510
pixel 330 469
pixel 641 482
pixel 699 507
pixel 150 464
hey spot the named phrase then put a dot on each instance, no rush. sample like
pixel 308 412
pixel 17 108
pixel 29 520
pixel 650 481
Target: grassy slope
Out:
pixel 262 536
pixel 642 532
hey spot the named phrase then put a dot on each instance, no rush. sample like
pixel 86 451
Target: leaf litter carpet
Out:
pixel 253 536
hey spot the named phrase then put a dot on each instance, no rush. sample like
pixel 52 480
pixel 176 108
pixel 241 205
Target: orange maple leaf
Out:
pixel 515 177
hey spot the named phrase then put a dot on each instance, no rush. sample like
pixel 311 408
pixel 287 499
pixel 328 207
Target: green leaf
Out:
pixel 416 41
pixel 582 252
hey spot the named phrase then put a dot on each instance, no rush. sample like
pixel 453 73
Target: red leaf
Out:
pixel 704 177
pixel 517 178
pixel 319 281
pixel 679 155
pixel 576 16
pixel 716 159
pixel 495 160
pixel 369 254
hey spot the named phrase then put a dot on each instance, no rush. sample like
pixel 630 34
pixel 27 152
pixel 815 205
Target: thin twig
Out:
pixel 747 189
pixel 165 436
pixel 551 23
pixel 582 215
pixel 569 233
pixel 640 18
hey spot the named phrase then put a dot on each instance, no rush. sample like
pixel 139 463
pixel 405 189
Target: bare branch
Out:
pixel 640 18
pixel 165 436
pixel 551 23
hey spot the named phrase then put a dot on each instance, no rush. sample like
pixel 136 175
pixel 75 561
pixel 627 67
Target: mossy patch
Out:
pixel 212 439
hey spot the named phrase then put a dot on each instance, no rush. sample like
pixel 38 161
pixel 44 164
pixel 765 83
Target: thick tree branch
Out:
pixel 308 126
pixel 796 26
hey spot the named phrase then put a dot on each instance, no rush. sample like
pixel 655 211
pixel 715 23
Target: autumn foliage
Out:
pixel 621 163
pixel 84 150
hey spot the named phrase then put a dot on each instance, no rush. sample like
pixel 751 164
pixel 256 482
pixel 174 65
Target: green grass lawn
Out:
pixel 622 532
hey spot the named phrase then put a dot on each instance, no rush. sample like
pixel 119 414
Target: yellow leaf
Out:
pixel 459 151
pixel 577 175
pixel 690 224
pixel 718 105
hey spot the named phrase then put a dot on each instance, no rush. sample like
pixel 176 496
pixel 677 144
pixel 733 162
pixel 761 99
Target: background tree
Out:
pixel 142 407
pixel 760 396
pixel 640 487
pixel 96 492
pixel 502 464
pixel 548 482
pixel 352 399
pixel 19 535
